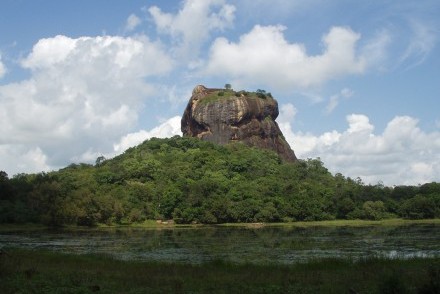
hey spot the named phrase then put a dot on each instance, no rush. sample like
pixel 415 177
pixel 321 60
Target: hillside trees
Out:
pixel 193 181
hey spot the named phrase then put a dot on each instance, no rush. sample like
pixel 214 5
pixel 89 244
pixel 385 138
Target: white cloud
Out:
pixel 336 99
pixel 347 93
pixel 287 113
pixel 375 50
pixel 18 158
pixel 332 103
pixel 402 154
pixel 2 68
pixel 193 23
pixel 359 123
pixel 83 93
pixel 60 52
pixel 132 22
pixel 264 57
pixel 169 128
pixel 423 40
pixel 176 95
pixel 49 52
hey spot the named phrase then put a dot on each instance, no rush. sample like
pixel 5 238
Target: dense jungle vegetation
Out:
pixel 193 181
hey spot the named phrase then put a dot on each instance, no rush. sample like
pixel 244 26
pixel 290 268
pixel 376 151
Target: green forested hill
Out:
pixel 193 181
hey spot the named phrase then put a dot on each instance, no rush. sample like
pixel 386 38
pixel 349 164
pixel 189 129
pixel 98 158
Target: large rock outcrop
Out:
pixel 224 116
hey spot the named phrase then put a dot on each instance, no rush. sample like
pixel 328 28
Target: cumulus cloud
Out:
pixel 402 154
pixel 82 92
pixel 133 21
pixel 264 57
pixel 287 113
pixel 18 158
pixel 2 68
pixel 191 26
pixel 169 128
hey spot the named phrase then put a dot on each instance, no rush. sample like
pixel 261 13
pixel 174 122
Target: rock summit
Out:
pixel 224 116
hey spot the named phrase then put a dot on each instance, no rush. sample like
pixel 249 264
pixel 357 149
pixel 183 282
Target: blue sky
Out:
pixel 357 82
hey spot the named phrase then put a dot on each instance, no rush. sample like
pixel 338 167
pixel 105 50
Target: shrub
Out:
pixel 374 210
pixel 418 207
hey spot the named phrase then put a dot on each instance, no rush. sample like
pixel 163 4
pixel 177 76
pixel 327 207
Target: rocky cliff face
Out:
pixel 224 116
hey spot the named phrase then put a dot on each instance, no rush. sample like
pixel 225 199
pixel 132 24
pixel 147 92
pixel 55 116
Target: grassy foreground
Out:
pixel 23 271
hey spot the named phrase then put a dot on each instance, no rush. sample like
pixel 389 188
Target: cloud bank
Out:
pixel 401 154
pixel 83 94
pixel 264 57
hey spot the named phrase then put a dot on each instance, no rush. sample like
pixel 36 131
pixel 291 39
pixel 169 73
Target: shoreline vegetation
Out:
pixel 153 224
pixel 45 271
pixel 39 271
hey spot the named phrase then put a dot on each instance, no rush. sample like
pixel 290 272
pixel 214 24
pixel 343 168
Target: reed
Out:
pixel 26 271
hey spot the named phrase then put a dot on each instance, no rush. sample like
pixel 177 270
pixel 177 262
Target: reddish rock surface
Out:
pixel 235 117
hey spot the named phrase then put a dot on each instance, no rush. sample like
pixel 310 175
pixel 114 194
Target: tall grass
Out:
pixel 339 223
pixel 152 224
pixel 25 271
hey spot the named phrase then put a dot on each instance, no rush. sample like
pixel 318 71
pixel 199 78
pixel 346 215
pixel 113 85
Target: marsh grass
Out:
pixel 25 271
pixel 153 224
pixel 338 223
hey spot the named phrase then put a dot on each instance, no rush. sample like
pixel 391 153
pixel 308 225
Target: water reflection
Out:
pixel 262 245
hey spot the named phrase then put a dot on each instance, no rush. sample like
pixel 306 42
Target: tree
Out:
pixel 192 180
pixel 374 210
pixel 419 207
pixel 51 203
pixel 228 86
pixel 3 176
pixel 99 160
pixel 344 206
pixel 5 187
pixel 261 93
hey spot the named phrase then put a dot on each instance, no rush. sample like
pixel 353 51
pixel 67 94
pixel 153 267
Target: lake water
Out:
pixel 237 244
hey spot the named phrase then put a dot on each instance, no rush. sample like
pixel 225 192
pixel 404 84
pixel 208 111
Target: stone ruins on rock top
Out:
pixel 223 116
